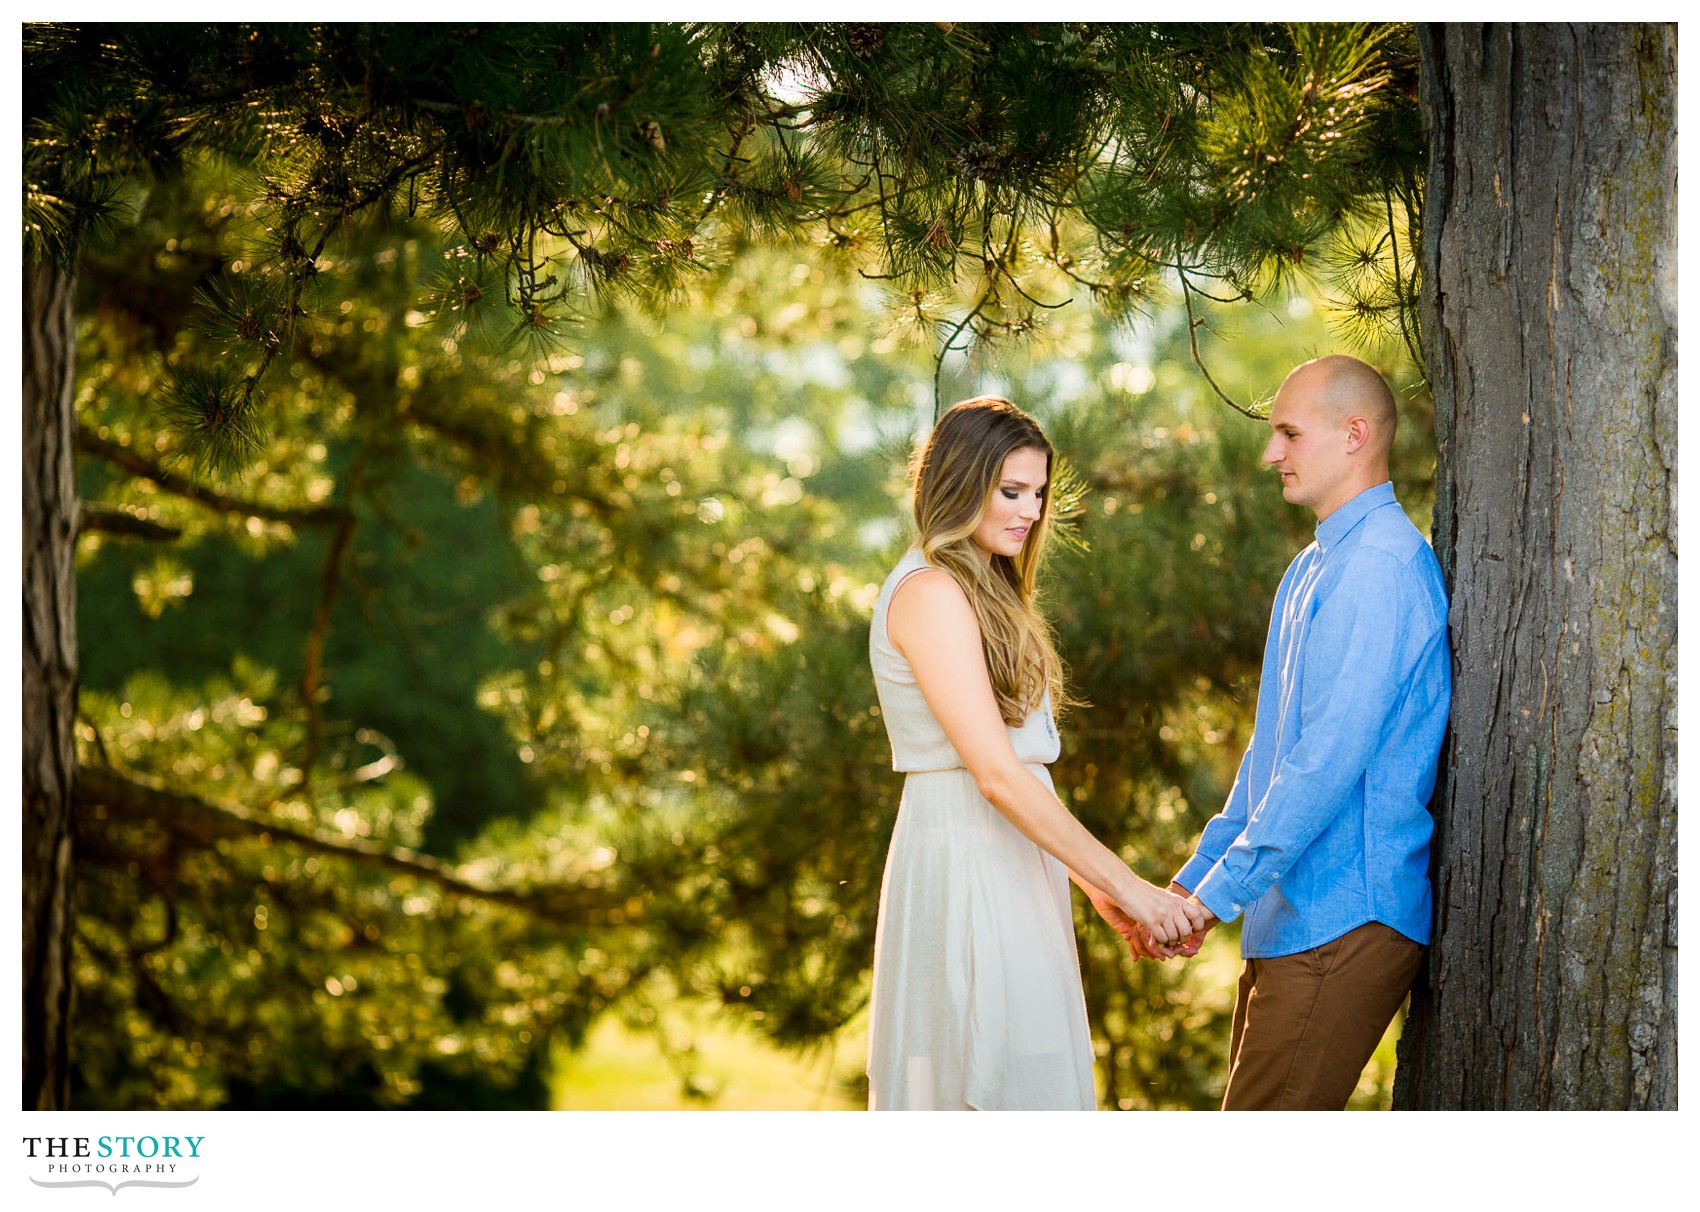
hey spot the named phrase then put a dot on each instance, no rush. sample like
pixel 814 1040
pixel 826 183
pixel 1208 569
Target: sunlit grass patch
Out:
pixel 698 1060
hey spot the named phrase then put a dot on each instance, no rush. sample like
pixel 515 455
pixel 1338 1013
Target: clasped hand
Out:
pixel 1144 945
pixel 1169 923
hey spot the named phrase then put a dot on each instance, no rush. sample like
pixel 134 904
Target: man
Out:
pixel 1323 843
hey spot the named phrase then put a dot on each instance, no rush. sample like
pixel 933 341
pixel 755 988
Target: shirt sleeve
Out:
pixel 1222 829
pixel 1351 686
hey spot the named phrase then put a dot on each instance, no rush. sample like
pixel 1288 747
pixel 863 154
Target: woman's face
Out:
pixel 1018 501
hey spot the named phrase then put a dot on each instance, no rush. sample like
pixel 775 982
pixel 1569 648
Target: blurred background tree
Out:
pixel 488 454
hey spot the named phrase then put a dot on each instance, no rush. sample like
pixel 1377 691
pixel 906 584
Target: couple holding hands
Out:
pixel 1322 845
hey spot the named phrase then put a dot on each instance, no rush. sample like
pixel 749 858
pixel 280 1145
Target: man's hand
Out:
pixel 1191 947
pixel 1144 946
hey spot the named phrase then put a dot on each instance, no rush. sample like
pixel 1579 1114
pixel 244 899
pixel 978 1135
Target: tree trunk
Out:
pixel 50 678
pixel 1550 255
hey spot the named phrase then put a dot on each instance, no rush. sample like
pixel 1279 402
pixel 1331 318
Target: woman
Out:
pixel 977 1000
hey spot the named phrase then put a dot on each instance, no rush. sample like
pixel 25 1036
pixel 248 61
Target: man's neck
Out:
pixel 1349 494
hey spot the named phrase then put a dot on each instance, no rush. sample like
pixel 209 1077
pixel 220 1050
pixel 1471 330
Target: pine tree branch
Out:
pixel 885 234
pixel 950 345
pixel 203 823
pixel 1003 263
pixel 304 265
pixel 1192 325
pixel 1412 346
pixel 127 458
pixel 312 671
pixel 109 519
pixel 475 114
pixel 1204 294
pixel 1035 302
pixel 717 196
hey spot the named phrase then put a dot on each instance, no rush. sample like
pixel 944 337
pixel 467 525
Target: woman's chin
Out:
pixel 1008 548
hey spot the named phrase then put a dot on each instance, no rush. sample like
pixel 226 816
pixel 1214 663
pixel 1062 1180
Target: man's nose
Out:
pixel 1272 451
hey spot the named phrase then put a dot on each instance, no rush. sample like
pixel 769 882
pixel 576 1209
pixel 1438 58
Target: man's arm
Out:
pixel 1223 828
pixel 1352 683
pixel 1220 832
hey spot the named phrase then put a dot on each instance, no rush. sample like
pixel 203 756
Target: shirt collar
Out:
pixel 1340 523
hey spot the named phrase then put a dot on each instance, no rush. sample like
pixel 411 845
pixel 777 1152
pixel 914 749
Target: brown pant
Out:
pixel 1306 1024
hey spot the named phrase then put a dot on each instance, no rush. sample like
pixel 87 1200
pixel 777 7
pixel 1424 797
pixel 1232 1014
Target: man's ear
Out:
pixel 1357 433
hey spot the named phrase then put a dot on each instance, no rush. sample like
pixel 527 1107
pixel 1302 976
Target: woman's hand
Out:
pixel 1172 921
pixel 1112 913
pixel 1144 946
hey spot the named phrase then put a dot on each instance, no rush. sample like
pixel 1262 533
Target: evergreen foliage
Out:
pixel 568 166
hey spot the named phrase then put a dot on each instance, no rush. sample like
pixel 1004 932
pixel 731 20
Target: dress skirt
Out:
pixel 977 999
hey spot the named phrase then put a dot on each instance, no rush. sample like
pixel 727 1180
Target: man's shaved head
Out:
pixel 1331 430
pixel 1345 387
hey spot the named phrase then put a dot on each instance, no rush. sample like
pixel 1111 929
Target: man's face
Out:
pixel 1308 447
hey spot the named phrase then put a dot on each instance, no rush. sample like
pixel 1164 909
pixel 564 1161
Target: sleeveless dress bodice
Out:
pixel 918 743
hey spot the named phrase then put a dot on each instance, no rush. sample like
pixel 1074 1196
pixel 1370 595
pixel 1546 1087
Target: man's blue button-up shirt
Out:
pixel 1327 826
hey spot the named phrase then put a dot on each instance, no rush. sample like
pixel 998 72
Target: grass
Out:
pixel 696 1060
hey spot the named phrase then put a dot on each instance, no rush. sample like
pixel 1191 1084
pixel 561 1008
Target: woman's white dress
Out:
pixel 977 1000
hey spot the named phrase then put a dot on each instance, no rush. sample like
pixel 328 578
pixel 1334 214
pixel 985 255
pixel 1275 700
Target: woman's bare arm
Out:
pixel 931 623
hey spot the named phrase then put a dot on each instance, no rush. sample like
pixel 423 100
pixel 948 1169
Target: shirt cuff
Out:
pixel 1222 894
pixel 1197 867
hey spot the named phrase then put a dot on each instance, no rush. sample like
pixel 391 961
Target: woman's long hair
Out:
pixel 955 475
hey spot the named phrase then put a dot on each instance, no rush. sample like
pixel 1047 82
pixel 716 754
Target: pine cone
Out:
pixel 865 38
pixel 977 160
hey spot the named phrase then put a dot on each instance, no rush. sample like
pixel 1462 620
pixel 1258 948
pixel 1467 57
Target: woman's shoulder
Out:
pixel 925 593
pixel 914 597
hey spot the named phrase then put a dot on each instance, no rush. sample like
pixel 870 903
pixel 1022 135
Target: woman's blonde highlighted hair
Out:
pixel 955 475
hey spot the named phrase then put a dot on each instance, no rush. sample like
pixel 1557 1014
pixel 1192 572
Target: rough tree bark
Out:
pixel 1550 255
pixel 50 678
